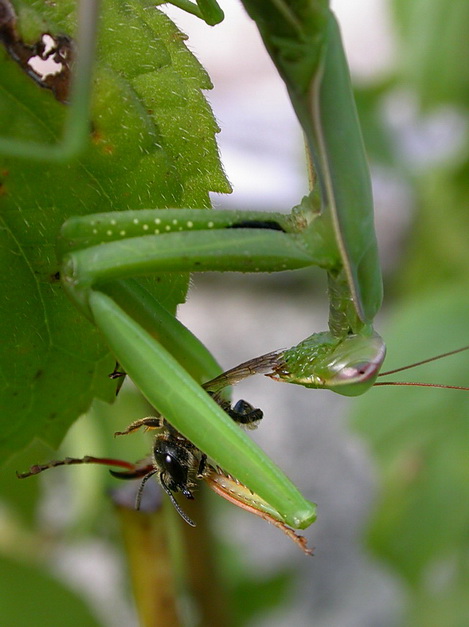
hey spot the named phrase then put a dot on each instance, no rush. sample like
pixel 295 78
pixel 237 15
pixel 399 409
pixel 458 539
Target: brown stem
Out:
pixel 169 561
pixel 150 566
pixel 204 580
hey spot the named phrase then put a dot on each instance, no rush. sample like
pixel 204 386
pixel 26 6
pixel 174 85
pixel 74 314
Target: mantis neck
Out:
pixel 343 317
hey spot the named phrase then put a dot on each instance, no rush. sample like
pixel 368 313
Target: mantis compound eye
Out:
pixel 353 379
pixel 355 364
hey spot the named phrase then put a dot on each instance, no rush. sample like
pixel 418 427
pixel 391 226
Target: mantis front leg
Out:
pixel 209 241
pixel 87 275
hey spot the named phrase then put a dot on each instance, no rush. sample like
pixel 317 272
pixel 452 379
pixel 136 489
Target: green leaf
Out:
pixel 434 49
pixel 377 137
pixel 29 596
pixel 22 499
pixel 444 602
pixel 152 145
pixel 253 595
pixel 419 437
pixel 443 241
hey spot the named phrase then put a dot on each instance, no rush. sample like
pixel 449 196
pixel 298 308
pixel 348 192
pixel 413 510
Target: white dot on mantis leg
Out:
pixel 95 231
pixel 135 220
pixel 109 233
pixel 113 223
pixel 157 220
pixel 210 225
pixel 156 231
pixel 167 227
pixel 123 233
pixel 189 224
pixel 175 221
pixel 145 227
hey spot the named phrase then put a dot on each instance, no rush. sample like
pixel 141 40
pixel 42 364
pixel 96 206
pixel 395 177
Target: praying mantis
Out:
pixel 102 255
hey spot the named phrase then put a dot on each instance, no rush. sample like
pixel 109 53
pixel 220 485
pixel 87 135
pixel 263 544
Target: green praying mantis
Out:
pixel 102 255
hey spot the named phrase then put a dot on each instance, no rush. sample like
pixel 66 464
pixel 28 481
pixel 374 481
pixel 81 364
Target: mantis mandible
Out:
pixel 101 255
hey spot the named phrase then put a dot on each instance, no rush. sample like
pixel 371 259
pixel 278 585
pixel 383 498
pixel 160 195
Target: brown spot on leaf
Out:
pixel 47 61
pixel 102 142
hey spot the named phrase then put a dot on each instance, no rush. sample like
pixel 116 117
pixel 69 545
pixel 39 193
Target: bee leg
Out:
pixel 150 422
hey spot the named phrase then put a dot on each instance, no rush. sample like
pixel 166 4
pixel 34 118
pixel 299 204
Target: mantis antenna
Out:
pixel 420 363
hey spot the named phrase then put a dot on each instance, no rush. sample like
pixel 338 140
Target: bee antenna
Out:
pixel 176 505
pixel 138 498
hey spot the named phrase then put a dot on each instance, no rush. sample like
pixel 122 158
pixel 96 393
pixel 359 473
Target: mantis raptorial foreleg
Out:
pixel 237 246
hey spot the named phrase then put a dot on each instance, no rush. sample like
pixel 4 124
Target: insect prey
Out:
pixel 179 466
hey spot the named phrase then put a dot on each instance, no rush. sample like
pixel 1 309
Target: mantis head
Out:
pixel 347 366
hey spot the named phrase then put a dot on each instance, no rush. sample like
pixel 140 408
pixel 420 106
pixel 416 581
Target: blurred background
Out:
pixel 390 471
